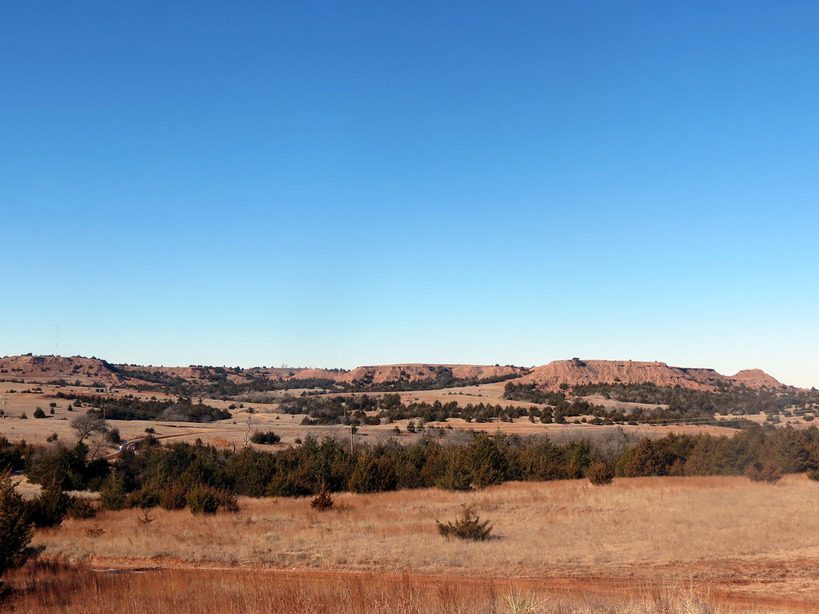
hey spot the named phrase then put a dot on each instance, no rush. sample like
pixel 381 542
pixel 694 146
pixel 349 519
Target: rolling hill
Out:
pixel 551 376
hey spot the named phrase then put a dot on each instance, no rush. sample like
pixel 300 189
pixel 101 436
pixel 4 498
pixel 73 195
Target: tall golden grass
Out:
pixel 58 587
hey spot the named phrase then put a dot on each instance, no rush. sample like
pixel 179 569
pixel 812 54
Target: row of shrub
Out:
pixel 168 475
pixel 682 402
pixel 130 407
pixel 389 408
pixel 51 506
pixel 556 407
pixel 117 493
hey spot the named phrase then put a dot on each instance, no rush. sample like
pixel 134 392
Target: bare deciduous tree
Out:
pixel 87 424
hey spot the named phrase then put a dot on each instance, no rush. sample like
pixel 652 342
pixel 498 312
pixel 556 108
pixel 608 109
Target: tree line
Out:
pixel 389 408
pixel 153 474
pixel 725 399
pixel 673 403
pixel 364 409
pixel 130 407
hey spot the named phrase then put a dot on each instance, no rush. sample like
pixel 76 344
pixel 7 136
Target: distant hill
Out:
pixel 578 372
pixel 88 371
pixel 41 369
pixel 756 378
pixel 199 378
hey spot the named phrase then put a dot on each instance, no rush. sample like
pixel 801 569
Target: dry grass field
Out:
pixel 727 539
pixel 233 432
pixel 56 587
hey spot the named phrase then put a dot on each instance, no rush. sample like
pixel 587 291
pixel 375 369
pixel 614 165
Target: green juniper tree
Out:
pixel 15 526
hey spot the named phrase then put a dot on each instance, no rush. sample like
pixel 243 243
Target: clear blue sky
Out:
pixel 340 183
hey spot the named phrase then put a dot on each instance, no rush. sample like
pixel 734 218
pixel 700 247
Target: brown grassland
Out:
pixel 232 433
pixel 56 587
pixel 639 545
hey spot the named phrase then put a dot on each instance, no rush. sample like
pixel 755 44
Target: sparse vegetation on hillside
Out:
pixel 442 377
pixel 532 394
pixel 230 382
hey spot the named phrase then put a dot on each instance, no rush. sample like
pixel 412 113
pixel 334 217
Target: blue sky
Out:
pixel 333 184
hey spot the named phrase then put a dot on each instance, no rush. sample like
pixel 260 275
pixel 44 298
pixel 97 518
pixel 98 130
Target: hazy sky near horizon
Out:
pixel 334 184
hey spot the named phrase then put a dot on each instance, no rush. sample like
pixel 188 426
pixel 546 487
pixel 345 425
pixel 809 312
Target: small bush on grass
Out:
pixel 81 508
pixel 203 499
pixel 323 501
pixel 229 502
pixel 265 438
pixel 49 509
pixel 173 497
pixel 112 436
pixel 144 498
pixel 768 471
pixel 468 526
pixel 600 473
pixel 113 493
pixel 813 475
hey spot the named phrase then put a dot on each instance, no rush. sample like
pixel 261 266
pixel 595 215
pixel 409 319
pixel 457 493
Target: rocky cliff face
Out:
pixel 577 372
